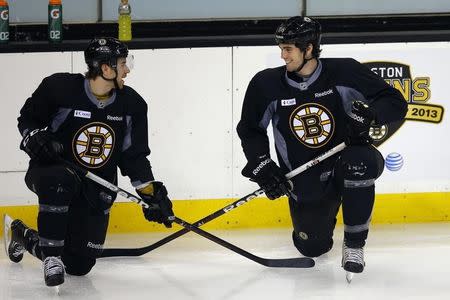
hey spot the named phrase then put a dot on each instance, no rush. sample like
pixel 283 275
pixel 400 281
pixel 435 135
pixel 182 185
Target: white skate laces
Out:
pixel 354 255
pixel 53 271
pixel 15 249
pixel 352 261
pixel 13 239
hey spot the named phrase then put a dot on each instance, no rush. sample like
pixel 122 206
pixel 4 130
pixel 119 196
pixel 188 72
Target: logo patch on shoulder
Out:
pixel 288 102
pixel 82 114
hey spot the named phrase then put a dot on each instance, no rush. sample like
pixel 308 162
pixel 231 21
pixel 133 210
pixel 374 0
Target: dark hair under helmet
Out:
pixel 300 31
pixel 104 50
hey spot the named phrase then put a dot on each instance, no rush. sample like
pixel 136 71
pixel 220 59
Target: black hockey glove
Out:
pixel 360 120
pixel 268 176
pixel 40 145
pixel 155 195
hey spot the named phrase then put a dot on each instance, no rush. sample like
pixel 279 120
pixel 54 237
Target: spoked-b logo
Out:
pixel 93 144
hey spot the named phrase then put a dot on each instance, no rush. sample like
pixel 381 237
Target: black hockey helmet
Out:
pixel 105 50
pixel 300 31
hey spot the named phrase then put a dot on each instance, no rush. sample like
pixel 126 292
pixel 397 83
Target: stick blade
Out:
pixel 298 262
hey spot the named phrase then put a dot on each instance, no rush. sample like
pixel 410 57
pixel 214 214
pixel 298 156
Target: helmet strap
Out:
pixel 305 60
pixel 116 85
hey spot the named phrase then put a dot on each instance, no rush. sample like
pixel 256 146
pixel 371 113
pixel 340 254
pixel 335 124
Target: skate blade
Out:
pixel 56 288
pixel 349 277
pixel 7 220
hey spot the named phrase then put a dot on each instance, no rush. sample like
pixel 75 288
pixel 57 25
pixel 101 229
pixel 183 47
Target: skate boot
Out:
pixel 53 271
pixel 352 260
pixel 16 239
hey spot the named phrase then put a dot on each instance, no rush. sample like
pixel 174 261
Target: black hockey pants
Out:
pixel 68 226
pixel 352 185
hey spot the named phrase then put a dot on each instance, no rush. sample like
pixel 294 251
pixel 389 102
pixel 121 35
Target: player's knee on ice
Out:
pixel 77 265
pixel 311 246
pixel 314 224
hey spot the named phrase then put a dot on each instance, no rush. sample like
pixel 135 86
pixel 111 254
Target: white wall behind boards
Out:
pixel 20 75
pixel 195 97
pixel 247 61
pixel 189 97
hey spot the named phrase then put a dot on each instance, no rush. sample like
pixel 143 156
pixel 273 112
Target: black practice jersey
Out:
pixel 310 116
pixel 98 135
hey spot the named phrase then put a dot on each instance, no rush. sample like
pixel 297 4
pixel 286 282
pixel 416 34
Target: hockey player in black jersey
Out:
pixel 315 104
pixel 98 123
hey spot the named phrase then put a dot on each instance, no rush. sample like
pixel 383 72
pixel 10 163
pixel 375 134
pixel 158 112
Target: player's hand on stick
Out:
pixel 360 120
pixel 265 172
pixel 41 145
pixel 160 210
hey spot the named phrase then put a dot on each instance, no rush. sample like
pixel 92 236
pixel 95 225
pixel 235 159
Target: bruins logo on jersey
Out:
pixel 93 144
pixel 312 124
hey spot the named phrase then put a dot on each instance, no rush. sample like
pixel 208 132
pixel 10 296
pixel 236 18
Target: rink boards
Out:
pixel 194 97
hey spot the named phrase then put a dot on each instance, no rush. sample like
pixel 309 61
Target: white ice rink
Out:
pixel 409 261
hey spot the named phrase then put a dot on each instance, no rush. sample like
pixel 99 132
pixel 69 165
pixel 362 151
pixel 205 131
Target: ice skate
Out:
pixel 352 261
pixel 53 271
pixel 14 236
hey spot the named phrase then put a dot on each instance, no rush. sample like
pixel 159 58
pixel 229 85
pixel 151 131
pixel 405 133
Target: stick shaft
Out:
pixel 300 262
pixel 140 251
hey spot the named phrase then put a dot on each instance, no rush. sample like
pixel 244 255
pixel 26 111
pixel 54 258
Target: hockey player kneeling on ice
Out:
pixel 96 122
pixel 315 104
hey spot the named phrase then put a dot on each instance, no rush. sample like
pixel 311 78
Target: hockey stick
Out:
pixel 140 251
pixel 298 262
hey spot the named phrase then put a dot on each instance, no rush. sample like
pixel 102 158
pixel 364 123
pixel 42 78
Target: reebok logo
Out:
pixel 233 206
pixel 260 166
pixel 318 95
pixel 357 118
pixel 114 118
pixel 95 246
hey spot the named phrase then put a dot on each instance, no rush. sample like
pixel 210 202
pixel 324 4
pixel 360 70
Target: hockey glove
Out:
pixel 360 120
pixel 160 210
pixel 40 145
pixel 268 176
